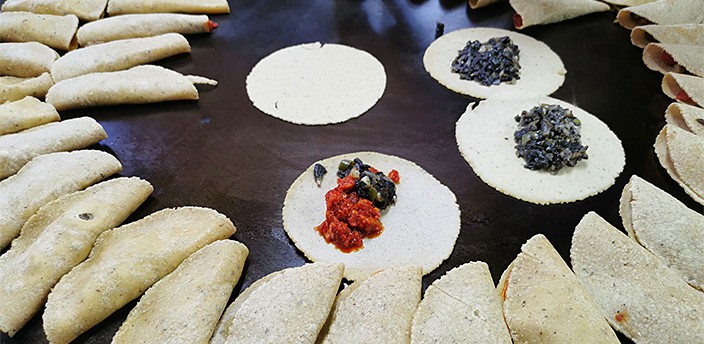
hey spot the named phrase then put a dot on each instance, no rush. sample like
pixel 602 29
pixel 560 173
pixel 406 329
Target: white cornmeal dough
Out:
pixel 542 71
pixel 485 139
pixel 420 229
pixel 316 84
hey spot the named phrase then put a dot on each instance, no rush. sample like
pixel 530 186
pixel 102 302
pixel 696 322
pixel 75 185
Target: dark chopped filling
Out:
pixel 369 183
pixel 318 173
pixel 700 120
pixel 548 138
pixel 489 63
pixel 439 29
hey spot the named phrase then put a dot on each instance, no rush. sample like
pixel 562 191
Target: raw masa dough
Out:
pixel 691 34
pixel 287 306
pixel 461 307
pixel 540 12
pixel 316 84
pixel 84 10
pixel 141 25
pixel 185 305
pixel 667 12
pixel 57 32
pixel 57 238
pixel 26 113
pixel 654 303
pixel 124 262
pixel 118 55
pixel 378 309
pixel 26 59
pixel 543 301
pixel 665 227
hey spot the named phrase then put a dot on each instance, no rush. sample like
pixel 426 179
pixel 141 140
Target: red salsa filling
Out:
pixel 394 176
pixel 212 25
pixel 684 97
pixel 517 21
pixel 504 289
pixel 349 217
pixel 667 59
pixel 621 316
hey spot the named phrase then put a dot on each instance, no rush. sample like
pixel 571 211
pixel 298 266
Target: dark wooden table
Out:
pixel 221 152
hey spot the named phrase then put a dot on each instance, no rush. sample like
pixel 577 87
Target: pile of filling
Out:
pixel 354 206
pixel 489 63
pixel 548 138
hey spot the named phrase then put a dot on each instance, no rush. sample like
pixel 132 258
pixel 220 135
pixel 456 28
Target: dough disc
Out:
pixel 420 229
pixel 542 71
pixel 485 139
pixel 316 84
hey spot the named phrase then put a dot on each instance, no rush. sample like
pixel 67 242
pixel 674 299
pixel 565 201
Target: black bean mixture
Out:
pixel 548 138
pixel 374 186
pixel 700 120
pixel 490 63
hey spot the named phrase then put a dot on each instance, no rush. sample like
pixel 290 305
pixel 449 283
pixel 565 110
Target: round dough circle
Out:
pixel 419 229
pixel 316 84
pixel 542 71
pixel 485 139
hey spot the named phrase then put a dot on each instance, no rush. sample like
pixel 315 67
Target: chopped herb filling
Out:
pixel 369 183
pixel 489 63
pixel 439 29
pixel 548 138
pixel 318 173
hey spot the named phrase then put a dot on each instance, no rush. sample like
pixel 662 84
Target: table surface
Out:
pixel 223 153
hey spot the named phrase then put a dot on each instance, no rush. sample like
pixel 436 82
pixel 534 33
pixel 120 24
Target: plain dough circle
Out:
pixel 485 139
pixel 420 229
pixel 316 84
pixel 542 71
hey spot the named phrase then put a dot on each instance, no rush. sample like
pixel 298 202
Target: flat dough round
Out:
pixel 542 71
pixel 316 84
pixel 420 229
pixel 485 139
